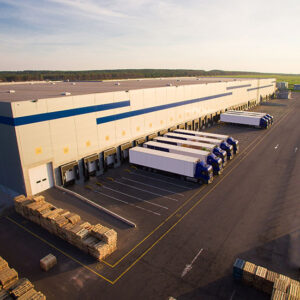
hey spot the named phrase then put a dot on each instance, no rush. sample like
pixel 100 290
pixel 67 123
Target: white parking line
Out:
pixel 232 295
pixel 139 189
pixel 188 267
pixel 149 177
pixel 134 197
pixel 125 202
pixel 153 186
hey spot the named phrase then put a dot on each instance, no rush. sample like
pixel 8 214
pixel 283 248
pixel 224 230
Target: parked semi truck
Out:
pixel 220 143
pixel 194 145
pixel 206 156
pixel 187 166
pixel 230 140
pixel 244 119
pixel 253 113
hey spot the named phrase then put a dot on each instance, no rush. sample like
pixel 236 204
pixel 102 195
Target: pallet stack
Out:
pixel 11 287
pixel 97 240
pixel 280 287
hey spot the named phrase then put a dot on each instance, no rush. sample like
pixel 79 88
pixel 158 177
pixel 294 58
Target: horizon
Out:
pixel 168 69
pixel 65 35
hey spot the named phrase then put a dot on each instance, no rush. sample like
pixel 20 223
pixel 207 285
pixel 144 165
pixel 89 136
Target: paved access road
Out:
pixel 252 211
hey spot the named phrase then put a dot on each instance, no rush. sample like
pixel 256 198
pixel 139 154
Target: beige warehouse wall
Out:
pixel 11 175
pixel 67 139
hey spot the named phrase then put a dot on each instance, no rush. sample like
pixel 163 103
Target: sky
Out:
pixel 252 35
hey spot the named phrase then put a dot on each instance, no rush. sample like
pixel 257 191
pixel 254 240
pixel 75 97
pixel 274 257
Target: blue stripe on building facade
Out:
pixel 143 111
pixel 260 87
pixel 6 120
pixel 237 86
pixel 61 114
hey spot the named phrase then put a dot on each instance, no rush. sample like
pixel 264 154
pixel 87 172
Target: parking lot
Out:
pixel 157 203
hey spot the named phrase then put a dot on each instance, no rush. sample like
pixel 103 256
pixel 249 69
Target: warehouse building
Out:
pixel 55 133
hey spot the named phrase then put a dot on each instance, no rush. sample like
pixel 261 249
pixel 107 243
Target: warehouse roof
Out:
pixel 11 92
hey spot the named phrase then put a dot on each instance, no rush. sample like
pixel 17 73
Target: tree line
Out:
pixel 27 75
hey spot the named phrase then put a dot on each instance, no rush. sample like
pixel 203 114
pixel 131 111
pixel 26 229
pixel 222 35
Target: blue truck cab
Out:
pixel 216 163
pixel 204 172
pixel 270 118
pixel 264 123
pixel 222 154
pixel 228 148
pixel 234 143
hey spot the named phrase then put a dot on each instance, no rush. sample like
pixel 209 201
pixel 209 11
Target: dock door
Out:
pixel 41 178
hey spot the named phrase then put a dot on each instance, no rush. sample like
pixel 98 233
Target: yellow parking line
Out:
pixel 61 251
pixel 196 204
pixel 162 236
pixel 185 203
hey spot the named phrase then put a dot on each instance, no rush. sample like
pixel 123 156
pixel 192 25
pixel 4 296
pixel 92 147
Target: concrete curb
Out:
pixel 107 211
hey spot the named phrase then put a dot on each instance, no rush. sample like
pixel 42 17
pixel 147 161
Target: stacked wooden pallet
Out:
pixel 11 287
pixel 97 240
pixel 48 262
pixel 277 285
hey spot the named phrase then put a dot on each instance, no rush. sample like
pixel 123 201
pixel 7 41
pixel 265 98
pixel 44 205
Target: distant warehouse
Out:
pixel 58 133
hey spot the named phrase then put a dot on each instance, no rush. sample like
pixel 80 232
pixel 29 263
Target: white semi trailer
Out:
pixel 220 143
pixel 230 140
pixel 253 113
pixel 194 145
pixel 206 156
pixel 244 119
pixel 189 167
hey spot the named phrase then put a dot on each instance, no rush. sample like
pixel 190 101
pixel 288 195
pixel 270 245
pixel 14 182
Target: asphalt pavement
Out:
pixel 252 211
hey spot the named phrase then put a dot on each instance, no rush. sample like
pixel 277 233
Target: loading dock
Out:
pixel 69 173
pixel 108 158
pixel 172 128
pixel 188 125
pixel 140 141
pixel 46 131
pixel 91 164
pixel 151 136
pixel 196 124
pixel 124 151
pixel 162 132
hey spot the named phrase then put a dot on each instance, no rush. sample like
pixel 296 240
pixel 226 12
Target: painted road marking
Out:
pixel 189 267
pixel 152 193
pixel 296 149
pixel 178 185
pixel 276 146
pixel 232 295
pixel 137 198
pixel 128 203
pixel 59 250
pixel 153 186
pixel 242 155
pixel 165 234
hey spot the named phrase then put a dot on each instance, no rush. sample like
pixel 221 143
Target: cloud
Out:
pixel 146 33
pixel 89 8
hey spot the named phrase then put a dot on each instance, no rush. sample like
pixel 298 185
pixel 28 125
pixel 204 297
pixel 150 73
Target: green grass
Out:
pixel 291 79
